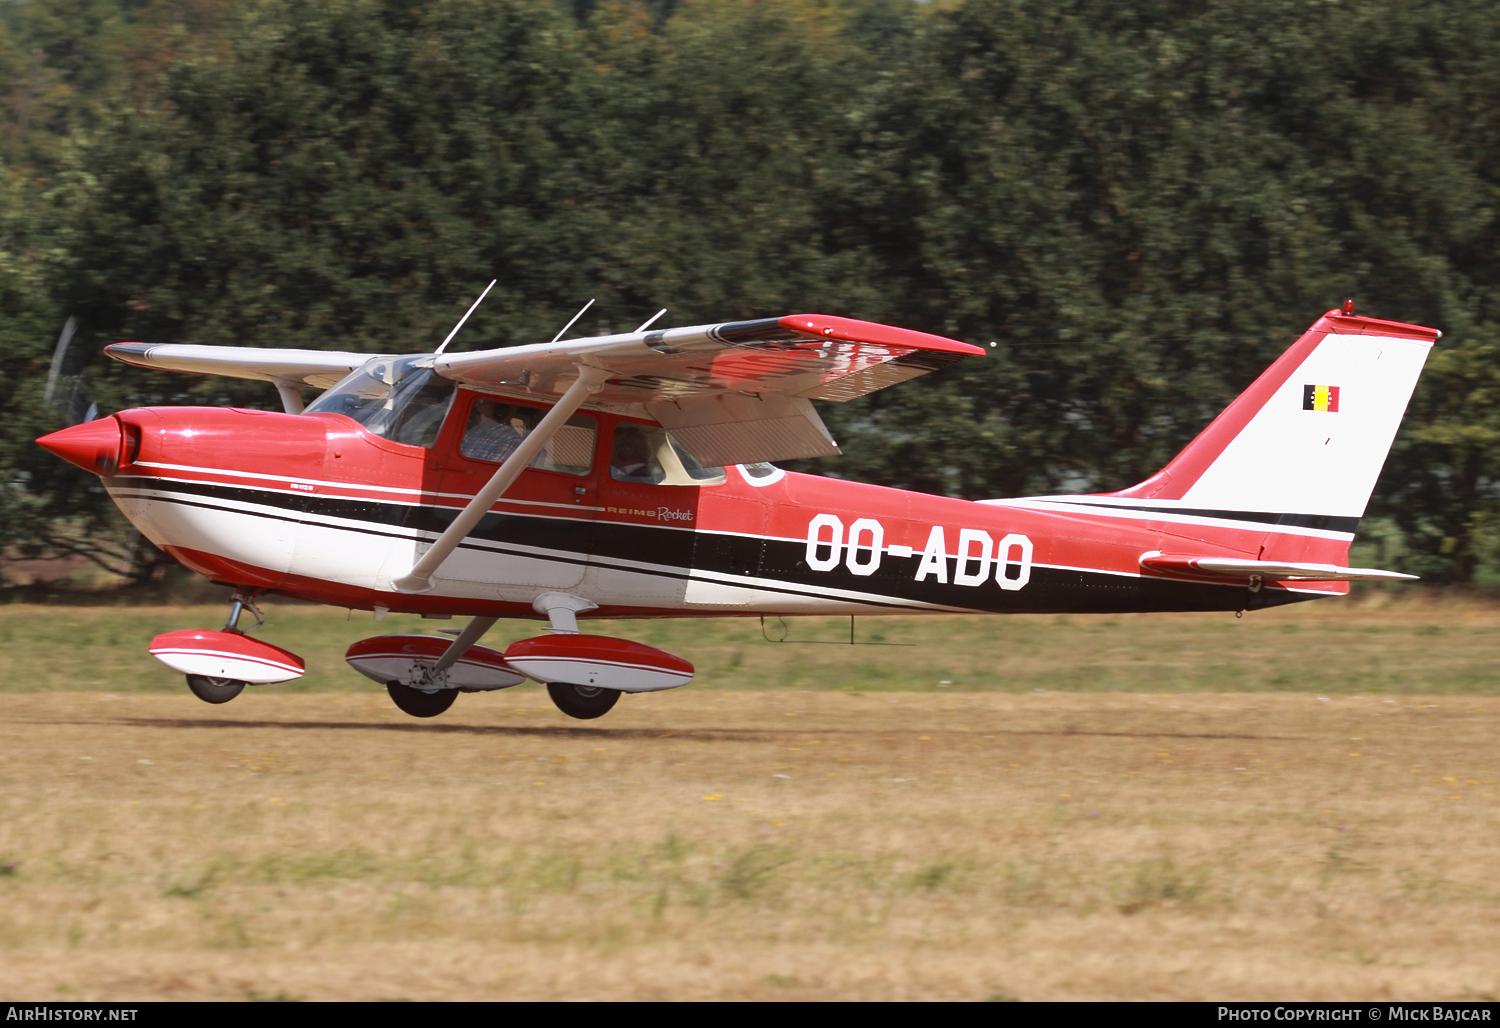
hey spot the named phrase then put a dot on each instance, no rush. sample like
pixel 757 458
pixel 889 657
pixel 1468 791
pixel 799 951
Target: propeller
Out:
pixel 78 408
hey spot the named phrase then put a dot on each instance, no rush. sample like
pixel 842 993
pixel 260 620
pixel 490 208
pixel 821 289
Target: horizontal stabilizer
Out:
pixel 1178 565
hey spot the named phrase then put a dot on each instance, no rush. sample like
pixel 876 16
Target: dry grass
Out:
pixel 751 844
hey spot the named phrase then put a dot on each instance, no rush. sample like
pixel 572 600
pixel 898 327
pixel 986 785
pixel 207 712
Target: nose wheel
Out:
pixel 584 702
pixel 418 703
pixel 214 690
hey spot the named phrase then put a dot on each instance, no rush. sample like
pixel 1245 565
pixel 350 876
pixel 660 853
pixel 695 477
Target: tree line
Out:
pixel 1139 204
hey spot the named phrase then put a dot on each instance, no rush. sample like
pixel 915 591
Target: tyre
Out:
pixel 418 703
pixel 215 690
pixel 584 702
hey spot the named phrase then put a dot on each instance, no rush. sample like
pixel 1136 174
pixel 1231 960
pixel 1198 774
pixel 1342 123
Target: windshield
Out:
pixel 401 399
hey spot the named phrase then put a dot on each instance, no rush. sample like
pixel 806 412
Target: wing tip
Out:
pixel 124 352
pixel 855 331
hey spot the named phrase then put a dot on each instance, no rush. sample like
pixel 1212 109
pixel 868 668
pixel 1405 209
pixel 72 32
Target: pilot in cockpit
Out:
pixel 631 459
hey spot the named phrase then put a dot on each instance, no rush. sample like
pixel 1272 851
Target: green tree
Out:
pixel 47 508
pixel 1143 204
pixel 722 147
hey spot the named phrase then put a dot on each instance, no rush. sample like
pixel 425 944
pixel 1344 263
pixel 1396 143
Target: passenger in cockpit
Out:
pixel 493 432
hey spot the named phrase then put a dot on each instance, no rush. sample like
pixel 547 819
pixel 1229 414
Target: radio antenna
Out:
pixel 570 324
pixel 651 320
pixel 465 318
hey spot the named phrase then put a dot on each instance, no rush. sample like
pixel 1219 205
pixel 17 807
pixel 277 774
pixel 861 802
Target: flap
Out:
pixel 732 428
pixel 1287 571
pixel 317 368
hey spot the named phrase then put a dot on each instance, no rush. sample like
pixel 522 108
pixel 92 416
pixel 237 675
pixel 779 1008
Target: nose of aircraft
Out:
pixel 93 446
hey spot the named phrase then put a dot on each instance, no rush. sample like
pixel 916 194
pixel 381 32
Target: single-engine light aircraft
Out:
pixel 632 476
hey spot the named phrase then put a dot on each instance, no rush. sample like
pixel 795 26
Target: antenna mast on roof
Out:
pixel 443 345
pixel 570 324
pixel 651 320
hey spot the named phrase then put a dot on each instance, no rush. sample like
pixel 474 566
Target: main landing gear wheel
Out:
pixel 418 703
pixel 214 690
pixel 584 702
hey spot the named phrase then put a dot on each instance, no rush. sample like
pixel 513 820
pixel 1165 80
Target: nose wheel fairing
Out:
pixel 226 655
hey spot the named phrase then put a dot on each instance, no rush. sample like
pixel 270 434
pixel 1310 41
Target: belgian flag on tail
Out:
pixel 1317 397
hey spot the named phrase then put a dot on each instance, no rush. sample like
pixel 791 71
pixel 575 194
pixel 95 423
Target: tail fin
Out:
pixel 1310 435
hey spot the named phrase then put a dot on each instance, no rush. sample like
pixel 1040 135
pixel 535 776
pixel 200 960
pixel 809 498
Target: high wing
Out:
pixel 733 393
pixel 288 370
pixel 317 368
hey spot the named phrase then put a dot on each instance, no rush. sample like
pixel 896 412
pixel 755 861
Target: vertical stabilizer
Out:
pixel 1311 434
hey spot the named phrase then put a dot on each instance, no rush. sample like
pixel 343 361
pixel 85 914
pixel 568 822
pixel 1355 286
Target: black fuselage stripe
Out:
pixel 745 560
pixel 596 560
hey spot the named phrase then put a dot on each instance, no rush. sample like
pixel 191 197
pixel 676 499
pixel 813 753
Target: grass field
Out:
pixel 1302 804
pixel 1375 644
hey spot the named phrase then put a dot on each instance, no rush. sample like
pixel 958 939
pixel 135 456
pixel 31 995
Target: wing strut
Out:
pixel 419 579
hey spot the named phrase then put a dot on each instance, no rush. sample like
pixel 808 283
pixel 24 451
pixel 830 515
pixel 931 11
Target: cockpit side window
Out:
pixel 401 399
pixel 496 428
pixel 648 454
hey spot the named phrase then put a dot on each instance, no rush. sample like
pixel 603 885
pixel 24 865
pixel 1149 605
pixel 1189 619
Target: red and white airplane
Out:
pixel 629 476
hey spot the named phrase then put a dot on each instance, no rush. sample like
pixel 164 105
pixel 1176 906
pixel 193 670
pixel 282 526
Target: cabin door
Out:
pixel 539 533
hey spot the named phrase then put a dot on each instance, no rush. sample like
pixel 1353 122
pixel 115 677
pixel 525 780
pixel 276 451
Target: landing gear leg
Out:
pixel 584 702
pixel 240 603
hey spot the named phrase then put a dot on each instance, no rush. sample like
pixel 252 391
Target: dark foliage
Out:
pixel 1139 204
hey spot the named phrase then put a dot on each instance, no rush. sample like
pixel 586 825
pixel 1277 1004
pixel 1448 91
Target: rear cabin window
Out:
pixel 649 455
pixel 496 428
